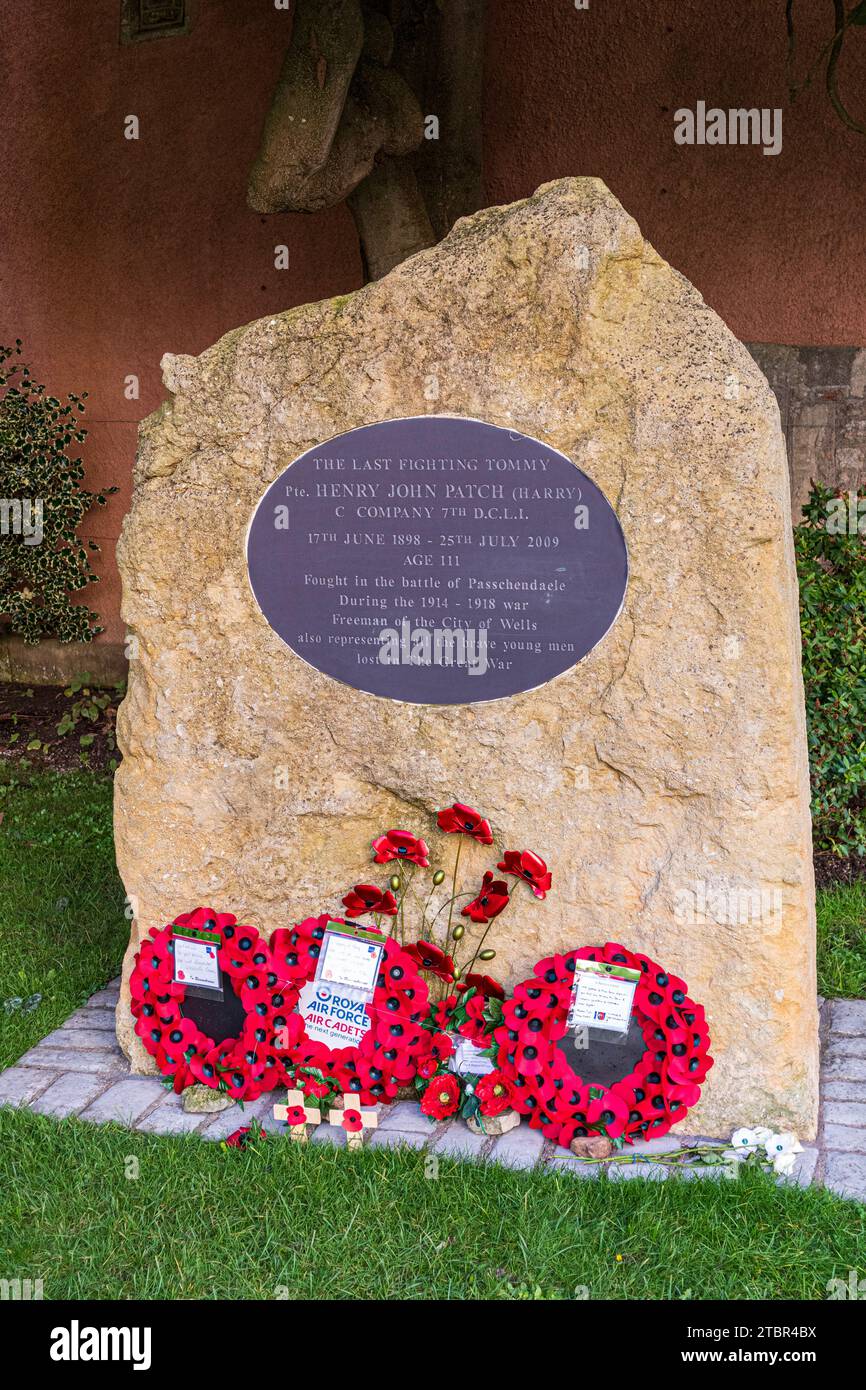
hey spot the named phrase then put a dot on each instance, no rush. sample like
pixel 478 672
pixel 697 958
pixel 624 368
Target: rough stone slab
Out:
pixel 69 1094
pixel 394 1138
pixel 170 1118
pixel 406 1116
pixel 844 1045
pixel 62 1059
pixel 125 1102
pixel 225 1122
pixel 844 1137
pixel 842 1068
pixel 848 1016
pixel 19 1084
pixel 105 998
pixel 687 720
pixel 622 1172
pixel 667 1144
pixel 330 1134
pixel 563 1163
pixel 846 1174
pixel 519 1148
pixel 845 1112
pixel 103 1019
pixel 844 1091
pixel 93 1039
pixel 458 1142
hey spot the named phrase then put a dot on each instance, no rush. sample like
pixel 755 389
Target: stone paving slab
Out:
pixel 79 1070
pixel 69 1094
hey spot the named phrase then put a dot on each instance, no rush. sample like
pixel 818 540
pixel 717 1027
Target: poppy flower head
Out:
pixel 462 820
pixel 432 958
pixel 494 1094
pixel 441 1097
pixel 296 1115
pixel 485 984
pixel 400 844
pixel 366 897
pixel 352 1122
pixel 491 899
pixel 528 866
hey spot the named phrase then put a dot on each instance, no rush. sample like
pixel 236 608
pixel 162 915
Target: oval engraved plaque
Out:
pixel 437 560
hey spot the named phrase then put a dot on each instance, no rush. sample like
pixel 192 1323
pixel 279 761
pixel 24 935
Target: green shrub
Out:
pixel 832 572
pixel 37 577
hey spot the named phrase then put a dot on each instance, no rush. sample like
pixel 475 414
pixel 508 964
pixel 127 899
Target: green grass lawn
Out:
pixel 102 1213
pixel 62 925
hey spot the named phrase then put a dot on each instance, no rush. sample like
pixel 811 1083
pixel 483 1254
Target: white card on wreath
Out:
pixel 196 963
pixel 349 960
pixel 602 996
pixel 469 1058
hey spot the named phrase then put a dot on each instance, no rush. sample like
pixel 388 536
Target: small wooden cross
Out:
pixel 353 1120
pixel 296 1102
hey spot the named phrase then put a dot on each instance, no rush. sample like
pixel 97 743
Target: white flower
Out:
pixel 782 1150
pixel 763 1135
pixel 744 1142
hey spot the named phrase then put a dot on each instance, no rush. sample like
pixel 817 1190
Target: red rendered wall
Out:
pixel 113 252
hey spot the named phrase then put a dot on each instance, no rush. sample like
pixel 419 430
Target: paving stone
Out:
pixel 94 1039
pixel 329 1134
pixel 458 1142
pixel 840 1068
pixel 519 1148
pixel 169 1118
pixel 848 1112
pixel 844 1045
pixel 848 1016
pixel 803 1172
pixel 563 1162
pixel 103 1019
pixel 61 1059
pixel 221 1125
pixel 406 1116
pixel 622 1172
pixel 667 1144
pixel 844 1137
pixel 19 1084
pixel 841 1090
pixel 846 1174
pixel 105 998
pixel 125 1101
pixel 393 1138
pixel 69 1094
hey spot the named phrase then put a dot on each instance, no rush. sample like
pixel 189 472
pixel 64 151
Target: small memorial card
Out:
pixel 469 1058
pixel 335 1014
pixel 350 956
pixel 602 996
pixel 196 959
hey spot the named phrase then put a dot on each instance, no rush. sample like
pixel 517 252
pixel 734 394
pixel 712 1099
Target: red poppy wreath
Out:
pixel 387 1056
pixel 657 1094
pixel 244 1066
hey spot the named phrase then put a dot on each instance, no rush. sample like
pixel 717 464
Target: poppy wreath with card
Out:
pixel 664 1085
pixel 387 1057
pixel 243 1066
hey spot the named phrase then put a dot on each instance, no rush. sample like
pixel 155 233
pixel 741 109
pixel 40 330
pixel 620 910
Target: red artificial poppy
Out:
pixel 400 844
pixel 444 1010
pixel 366 897
pixel 462 820
pixel 296 1115
pixel 485 984
pixel 441 1097
pixel 432 958
pixel 352 1122
pixel 494 1094
pixel 475 1026
pixel 529 867
pixel 240 1138
pixel 441 1046
pixel 428 1067
pixel 491 899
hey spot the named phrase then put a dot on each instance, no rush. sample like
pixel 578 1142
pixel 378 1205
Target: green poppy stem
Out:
pixel 454 883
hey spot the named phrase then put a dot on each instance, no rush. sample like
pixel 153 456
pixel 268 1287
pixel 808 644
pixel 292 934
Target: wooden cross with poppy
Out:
pixel 297 1115
pixel 354 1121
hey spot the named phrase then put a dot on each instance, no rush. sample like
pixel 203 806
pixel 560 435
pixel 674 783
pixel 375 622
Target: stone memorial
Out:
pixel 510 526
